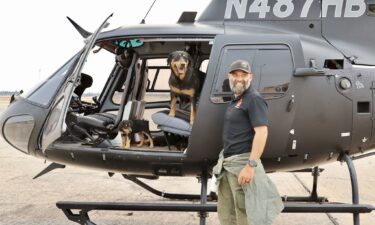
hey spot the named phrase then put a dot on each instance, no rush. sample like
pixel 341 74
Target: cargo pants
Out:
pixel 257 203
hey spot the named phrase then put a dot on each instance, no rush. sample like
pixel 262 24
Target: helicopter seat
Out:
pixel 104 123
pixel 99 123
pixel 177 125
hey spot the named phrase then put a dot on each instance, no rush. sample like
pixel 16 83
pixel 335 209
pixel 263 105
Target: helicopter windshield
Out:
pixel 44 92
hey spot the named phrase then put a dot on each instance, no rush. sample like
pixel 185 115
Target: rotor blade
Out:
pixel 49 168
pixel 82 31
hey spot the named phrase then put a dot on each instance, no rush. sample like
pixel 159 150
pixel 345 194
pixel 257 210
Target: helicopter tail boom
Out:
pixel 345 24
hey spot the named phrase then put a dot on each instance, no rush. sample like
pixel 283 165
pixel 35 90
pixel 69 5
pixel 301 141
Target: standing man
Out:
pixel 246 196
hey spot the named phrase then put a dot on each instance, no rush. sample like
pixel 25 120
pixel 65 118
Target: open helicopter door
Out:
pixel 55 124
pixel 273 58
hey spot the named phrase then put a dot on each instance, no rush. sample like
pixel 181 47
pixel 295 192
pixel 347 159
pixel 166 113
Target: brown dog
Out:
pixel 185 81
pixel 128 127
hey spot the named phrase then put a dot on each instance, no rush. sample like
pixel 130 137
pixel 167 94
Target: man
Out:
pixel 245 193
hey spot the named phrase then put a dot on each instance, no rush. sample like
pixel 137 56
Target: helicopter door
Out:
pixel 55 124
pixel 272 64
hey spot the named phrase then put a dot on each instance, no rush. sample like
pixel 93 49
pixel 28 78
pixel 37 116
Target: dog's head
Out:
pixel 126 126
pixel 179 62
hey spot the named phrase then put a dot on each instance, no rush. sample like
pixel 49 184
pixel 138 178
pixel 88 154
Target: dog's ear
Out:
pixel 169 60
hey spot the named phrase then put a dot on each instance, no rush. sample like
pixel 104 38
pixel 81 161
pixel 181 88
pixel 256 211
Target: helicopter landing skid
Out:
pixel 313 193
pixel 84 207
pixel 211 197
pixel 311 204
pixel 82 216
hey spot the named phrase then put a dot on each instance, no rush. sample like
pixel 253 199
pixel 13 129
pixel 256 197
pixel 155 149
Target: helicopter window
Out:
pixel 158 75
pixel 98 65
pixel 230 54
pixel 157 90
pixel 271 65
pixel 275 69
pixel 43 93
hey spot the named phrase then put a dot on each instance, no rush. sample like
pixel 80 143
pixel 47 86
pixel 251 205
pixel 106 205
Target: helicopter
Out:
pixel 316 77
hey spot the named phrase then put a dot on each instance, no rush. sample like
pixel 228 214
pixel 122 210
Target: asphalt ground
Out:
pixel 24 201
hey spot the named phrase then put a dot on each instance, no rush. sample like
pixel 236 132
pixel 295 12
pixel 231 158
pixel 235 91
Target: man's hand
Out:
pixel 246 175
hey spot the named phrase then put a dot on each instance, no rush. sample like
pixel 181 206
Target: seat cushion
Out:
pixel 177 125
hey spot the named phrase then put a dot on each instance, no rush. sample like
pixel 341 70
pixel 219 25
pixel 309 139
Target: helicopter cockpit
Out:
pixel 136 88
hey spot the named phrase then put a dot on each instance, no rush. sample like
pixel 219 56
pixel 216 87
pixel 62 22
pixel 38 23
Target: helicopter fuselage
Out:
pixel 320 97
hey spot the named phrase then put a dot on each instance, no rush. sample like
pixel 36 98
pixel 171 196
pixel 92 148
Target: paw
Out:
pixel 172 114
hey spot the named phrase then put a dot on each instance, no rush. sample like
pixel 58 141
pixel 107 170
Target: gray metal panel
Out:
pixel 344 23
pixel 362 82
pixel 323 118
pixel 353 36
pixel 313 45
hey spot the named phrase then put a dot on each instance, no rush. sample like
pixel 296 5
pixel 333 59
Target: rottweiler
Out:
pixel 128 127
pixel 185 81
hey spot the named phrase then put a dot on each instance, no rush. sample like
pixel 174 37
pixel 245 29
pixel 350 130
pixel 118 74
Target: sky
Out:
pixel 37 38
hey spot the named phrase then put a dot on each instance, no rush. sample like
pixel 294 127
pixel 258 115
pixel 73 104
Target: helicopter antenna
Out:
pixel 143 20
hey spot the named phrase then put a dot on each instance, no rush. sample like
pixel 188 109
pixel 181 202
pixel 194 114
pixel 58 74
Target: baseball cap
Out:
pixel 240 65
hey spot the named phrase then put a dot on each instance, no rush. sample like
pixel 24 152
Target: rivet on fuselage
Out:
pixel 294 145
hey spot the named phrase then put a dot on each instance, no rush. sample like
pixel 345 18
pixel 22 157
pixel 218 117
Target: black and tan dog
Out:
pixel 128 127
pixel 185 81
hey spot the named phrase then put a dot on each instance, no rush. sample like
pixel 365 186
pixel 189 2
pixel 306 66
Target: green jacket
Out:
pixel 263 201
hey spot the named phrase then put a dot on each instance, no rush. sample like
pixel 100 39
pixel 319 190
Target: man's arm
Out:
pixel 259 142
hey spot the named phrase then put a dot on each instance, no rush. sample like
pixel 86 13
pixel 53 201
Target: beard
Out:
pixel 239 87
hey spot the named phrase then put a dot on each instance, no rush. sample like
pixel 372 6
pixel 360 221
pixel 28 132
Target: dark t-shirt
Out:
pixel 243 114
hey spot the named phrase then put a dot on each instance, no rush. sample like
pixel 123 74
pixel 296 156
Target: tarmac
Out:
pixel 33 202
